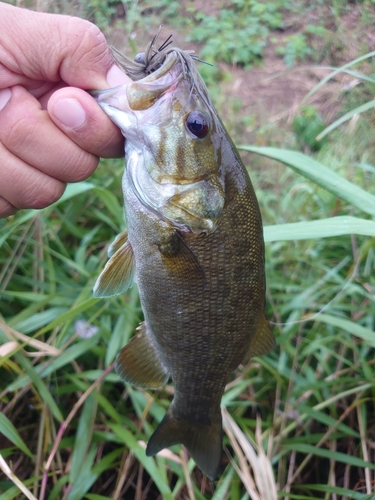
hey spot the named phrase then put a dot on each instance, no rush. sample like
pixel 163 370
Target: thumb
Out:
pixel 78 115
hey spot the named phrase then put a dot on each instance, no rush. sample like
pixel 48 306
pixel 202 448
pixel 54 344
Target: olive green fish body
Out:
pixel 195 244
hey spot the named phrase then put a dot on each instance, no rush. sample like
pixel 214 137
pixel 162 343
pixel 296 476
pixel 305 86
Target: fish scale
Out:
pixel 195 248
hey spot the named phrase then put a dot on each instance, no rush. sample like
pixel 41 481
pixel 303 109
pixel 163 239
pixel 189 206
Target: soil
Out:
pixel 272 93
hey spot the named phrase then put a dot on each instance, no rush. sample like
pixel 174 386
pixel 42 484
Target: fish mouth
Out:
pixel 148 63
pixel 166 64
pixel 142 94
pixel 154 73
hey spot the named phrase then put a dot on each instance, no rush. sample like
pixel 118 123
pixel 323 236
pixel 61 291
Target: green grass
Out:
pixel 299 423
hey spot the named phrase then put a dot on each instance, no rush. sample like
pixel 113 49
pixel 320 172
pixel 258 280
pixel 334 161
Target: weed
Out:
pixel 237 35
pixel 301 418
pixel 295 49
pixel 101 12
pixel 307 126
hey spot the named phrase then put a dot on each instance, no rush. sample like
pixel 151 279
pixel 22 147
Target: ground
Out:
pixel 271 92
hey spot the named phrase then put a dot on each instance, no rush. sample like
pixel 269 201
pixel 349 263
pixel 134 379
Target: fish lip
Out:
pixel 100 95
pixel 103 97
pixel 169 61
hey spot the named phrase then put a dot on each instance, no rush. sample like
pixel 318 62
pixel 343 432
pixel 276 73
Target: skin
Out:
pixel 51 131
pixel 198 256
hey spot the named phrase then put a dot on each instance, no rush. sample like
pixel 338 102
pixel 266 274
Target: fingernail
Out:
pixel 5 95
pixel 69 112
pixel 116 77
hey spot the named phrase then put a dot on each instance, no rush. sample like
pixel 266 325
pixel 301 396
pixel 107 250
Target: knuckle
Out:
pixel 82 166
pixel 40 193
pixel 91 45
pixel 6 208
pixel 18 130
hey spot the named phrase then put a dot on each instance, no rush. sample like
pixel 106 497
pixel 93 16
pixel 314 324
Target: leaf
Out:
pixel 83 438
pixel 124 327
pixel 341 69
pixel 70 191
pixel 52 317
pixel 349 326
pixel 111 204
pixel 42 370
pixel 44 393
pixel 93 496
pixel 321 175
pixel 322 228
pixel 107 461
pixel 148 463
pixel 39 320
pixel 331 455
pixel 100 398
pixel 42 347
pixel 320 416
pixel 70 354
pixel 222 488
pixel 11 433
pixel 342 492
pixel 57 490
pixel 345 118
pixel 86 476
pixel 74 190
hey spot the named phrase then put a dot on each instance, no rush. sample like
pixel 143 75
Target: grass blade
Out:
pixel 11 433
pixel 20 485
pixel 321 175
pixel 349 326
pixel 322 228
pixel 148 462
pixel 331 455
pixel 347 116
pixel 83 438
pixel 343 492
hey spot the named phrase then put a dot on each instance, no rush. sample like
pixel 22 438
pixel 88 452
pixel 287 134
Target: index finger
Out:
pixel 49 47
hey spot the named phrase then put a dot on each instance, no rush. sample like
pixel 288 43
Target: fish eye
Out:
pixel 197 124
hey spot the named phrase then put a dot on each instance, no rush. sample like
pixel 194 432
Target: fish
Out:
pixel 193 245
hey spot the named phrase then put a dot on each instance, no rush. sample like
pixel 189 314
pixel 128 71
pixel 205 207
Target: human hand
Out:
pixel 51 131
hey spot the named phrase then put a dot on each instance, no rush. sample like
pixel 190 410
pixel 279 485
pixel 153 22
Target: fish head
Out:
pixel 173 138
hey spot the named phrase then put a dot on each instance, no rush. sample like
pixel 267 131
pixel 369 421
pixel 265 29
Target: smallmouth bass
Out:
pixel 194 246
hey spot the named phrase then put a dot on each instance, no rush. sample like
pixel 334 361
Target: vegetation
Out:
pixel 299 422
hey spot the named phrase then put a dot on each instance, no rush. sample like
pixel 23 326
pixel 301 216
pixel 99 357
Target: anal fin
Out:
pixel 117 276
pixel 138 362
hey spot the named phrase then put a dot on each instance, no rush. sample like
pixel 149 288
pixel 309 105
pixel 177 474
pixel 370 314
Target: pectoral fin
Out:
pixel 180 259
pixel 138 362
pixel 263 340
pixel 119 241
pixel 117 276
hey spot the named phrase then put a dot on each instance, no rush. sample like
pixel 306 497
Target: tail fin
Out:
pixel 203 442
